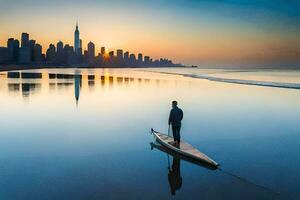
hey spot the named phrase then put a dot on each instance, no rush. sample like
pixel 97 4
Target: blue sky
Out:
pixel 193 32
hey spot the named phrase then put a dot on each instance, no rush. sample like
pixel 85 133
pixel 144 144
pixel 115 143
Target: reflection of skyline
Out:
pixel 29 88
pixel 77 85
pixel 30 83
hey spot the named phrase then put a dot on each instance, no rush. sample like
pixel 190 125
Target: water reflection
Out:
pixel 85 147
pixel 32 82
pixel 13 87
pixel 13 75
pixel 77 87
pixel 174 176
pixel 29 88
pixel 26 75
pixel 174 172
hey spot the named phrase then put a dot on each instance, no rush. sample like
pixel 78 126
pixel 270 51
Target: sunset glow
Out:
pixel 194 32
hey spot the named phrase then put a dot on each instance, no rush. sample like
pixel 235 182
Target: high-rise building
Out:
pixel 16 50
pixel 140 58
pixel 68 54
pixel 102 50
pixel 60 47
pixel 147 59
pixel 24 55
pixel 31 46
pixel 91 52
pixel 111 54
pixel 132 59
pixel 126 56
pixel 51 54
pixel 60 52
pixel 25 40
pixel 77 40
pixel 120 54
pixel 4 55
pixel 10 47
pixel 37 55
pixel 24 51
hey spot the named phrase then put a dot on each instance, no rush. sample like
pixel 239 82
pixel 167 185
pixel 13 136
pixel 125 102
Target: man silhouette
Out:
pixel 176 115
pixel 174 176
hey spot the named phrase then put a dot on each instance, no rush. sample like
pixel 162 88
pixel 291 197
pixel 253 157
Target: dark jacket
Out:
pixel 176 116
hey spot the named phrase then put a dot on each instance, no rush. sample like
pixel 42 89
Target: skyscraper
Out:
pixel 60 52
pixel 24 52
pixel 60 47
pixel 16 50
pixel 102 50
pixel 120 54
pixel 10 47
pixel 51 54
pixel 140 58
pixel 147 59
pixel 37 55
pixel 111 53
pixel 91 53
pixel 31 46
pixel 25 40
pixel 77 42
pixel 126 56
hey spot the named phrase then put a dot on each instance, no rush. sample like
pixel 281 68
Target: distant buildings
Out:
pixel 30 53
pixel 77 41
pixel 4 55
pixel 37 54
pixel 102 50
pixel 91 53
pixel 51 54
pixel 25 40
pixel 140 58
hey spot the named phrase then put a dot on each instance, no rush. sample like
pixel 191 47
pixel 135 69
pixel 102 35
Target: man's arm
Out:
pixel 170 117
pixel 181 115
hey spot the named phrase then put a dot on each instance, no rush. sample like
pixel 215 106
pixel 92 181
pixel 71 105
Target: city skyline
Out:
pixel 28 51
pixel 192 32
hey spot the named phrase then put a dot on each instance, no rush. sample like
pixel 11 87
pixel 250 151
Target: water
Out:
pixel 87 136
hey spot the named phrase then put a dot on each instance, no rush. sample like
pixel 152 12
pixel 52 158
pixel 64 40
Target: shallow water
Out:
pixel 87 136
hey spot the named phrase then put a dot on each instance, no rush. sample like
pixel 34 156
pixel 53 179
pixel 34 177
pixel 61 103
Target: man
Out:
pixel 175 118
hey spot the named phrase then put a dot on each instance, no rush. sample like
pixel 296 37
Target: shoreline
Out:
pixel 25 67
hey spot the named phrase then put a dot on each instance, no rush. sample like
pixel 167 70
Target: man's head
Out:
pixel 174 104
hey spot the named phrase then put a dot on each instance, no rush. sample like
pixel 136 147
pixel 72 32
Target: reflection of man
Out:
pixel 175 179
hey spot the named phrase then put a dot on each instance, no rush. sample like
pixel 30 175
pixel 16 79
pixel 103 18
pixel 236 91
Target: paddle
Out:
pixel 167 153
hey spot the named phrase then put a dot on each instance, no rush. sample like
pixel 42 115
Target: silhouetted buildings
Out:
pixel 76 40
pixel 140 58
pixel 126 57
pixel 51 54
pixel 60 52
pixel 102 50
pixel 37 54
pixel 25 40
pixel 91 53
pixel 30 53
pixel 4 55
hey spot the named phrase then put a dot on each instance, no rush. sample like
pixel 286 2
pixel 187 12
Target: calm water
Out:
pixel 84 134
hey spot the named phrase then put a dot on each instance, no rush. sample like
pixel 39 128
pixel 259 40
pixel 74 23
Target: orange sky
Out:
pixel 188 38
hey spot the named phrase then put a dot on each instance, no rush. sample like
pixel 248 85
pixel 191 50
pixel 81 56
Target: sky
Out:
pixel 203 32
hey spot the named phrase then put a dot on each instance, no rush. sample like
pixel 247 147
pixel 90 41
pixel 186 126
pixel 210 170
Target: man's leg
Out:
pixel 178 134
pixel 174 131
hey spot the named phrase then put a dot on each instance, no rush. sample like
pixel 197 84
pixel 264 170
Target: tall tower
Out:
pixel 76 40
